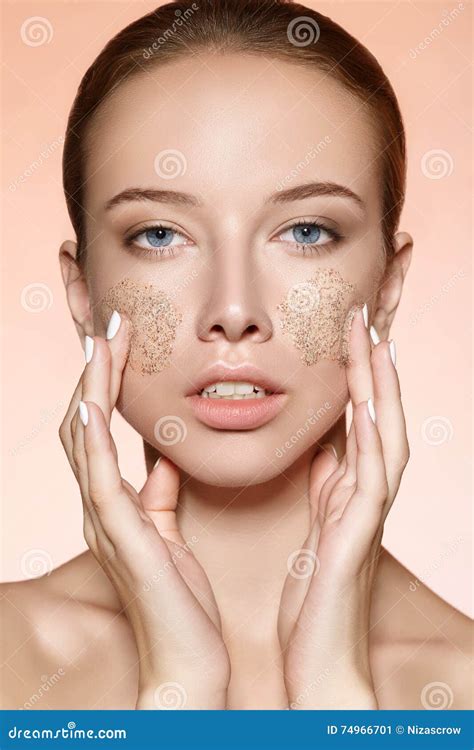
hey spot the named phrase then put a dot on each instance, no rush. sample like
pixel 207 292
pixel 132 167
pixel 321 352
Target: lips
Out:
pixel 223 373
pixel 243 414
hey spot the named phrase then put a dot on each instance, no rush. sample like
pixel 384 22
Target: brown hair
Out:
pixel 276 28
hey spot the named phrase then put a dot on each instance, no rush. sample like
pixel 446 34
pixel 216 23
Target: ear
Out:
pixel 390 291
pixel 76 290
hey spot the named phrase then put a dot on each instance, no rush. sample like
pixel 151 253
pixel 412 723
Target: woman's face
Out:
pixel 243 270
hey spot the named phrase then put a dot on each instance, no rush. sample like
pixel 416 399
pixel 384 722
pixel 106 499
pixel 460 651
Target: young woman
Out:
pixel 234 172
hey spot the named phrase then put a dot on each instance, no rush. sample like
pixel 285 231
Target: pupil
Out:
pixel 157 236
pixel 309 232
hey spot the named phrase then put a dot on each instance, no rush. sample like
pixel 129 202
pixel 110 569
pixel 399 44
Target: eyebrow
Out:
pixel 149 194
pixel 312 189
pixel 176 197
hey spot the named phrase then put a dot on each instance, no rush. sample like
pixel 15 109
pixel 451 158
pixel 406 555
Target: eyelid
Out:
pixel 335 234
pixel 328 224
pixel 131 236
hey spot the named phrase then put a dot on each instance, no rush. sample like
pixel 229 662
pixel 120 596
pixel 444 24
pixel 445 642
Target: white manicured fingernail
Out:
pixel 89 348
pixel 393 352
pixel 114 325
pixel 370 407
pixel 83 413
pixel 365 315
pixel 374 336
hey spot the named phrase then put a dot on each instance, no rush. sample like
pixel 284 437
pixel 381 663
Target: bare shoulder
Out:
pixel 422 646
pixel 56 631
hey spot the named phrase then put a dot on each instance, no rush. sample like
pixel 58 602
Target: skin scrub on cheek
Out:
pixel 317 316
pixel 154 320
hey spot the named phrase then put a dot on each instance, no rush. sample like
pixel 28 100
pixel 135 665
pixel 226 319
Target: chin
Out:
pixel 247 457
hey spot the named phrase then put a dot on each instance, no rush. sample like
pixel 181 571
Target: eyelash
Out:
pixel 303 247
pixel 150 252
pixel 336 236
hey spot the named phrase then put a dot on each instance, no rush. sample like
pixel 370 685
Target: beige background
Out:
pixel 424 48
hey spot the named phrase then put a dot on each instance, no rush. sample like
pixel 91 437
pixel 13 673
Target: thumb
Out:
pixel 159 499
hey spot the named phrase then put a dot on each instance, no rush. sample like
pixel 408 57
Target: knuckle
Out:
pixel 89 534
pixel 78 454
pixel 381 491
pixel 63 432
pixel 405 454
pixel 98 497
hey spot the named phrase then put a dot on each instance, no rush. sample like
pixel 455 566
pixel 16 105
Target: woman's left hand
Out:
pixel 324 619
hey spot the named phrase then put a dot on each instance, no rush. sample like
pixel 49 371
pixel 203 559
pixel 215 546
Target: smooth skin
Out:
pixel 136 621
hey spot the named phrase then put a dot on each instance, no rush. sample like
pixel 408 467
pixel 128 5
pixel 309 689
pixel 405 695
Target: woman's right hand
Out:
pixel 134 536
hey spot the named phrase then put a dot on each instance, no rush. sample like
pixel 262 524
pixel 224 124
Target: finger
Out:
pixel 364 511
pixel 351 455
pixel 119 345
pixel 323 466
pixel 390 417
pixel 118 338
pixel 159 498
pixel 116 511
pixel 359 369
pixel 66 434
pixel 96 378
pixel 91 524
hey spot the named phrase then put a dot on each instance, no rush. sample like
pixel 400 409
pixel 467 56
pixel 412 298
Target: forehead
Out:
pixel 230 121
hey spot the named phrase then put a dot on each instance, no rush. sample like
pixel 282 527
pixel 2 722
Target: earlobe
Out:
pixel 76 290
pixel 390 291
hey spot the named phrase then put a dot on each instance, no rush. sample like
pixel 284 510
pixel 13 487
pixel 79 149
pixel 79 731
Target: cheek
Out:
pixel 154 320
pixel 316 316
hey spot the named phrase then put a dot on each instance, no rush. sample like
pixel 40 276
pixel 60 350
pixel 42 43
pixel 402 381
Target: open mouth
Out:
pixel 236 391
pixel 225 401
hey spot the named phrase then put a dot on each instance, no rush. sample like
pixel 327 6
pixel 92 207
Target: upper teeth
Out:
pixel 234 390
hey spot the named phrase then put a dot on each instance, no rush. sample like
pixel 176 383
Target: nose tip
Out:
pixel 234 324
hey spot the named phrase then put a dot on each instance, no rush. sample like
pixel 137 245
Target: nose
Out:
pixel 234 307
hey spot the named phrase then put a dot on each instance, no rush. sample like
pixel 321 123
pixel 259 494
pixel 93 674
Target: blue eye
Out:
pixel 159 236
pixel 156 239
pixel 312 235
pixel 306 233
